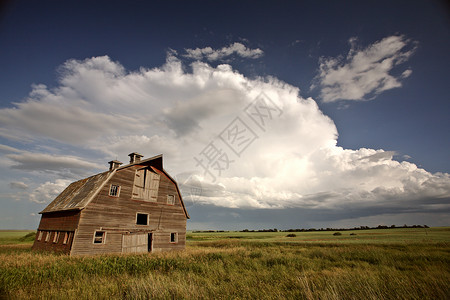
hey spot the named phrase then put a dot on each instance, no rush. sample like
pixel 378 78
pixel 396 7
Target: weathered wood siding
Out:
pixel 117 216
pixel 56 223
pixel 135 243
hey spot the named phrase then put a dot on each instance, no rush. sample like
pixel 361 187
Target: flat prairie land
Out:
pixel 403 263
pixel 14 237
pixel 371 236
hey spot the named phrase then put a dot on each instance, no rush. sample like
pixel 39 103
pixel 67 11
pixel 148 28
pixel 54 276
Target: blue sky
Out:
pixel 355 92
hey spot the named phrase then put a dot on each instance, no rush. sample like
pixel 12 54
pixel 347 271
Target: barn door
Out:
pixel 139 184
pixel 150 242
pixel 153 186
pixel 135 243
pixel 146 185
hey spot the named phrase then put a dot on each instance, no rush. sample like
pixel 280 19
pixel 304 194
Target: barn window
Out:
pixel 40 235
pixel 47 237
pixel 114 190
pixel 171 199
pixel 56 237
pixel 141 219
pixel 146 185
pixel 66 237
pixel 173 237
pixel 99 237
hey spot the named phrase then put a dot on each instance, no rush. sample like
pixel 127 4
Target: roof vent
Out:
pixel 135 157
pixel 114 164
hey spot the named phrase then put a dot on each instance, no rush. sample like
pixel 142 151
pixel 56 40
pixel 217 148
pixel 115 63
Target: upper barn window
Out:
pixel 171 199
pixel 146 185
pixel 114 190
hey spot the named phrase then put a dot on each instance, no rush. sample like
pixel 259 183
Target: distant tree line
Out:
pixel 200 231
pixel 336 229
pixel 320 229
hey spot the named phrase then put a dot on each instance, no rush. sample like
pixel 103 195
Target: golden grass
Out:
pixel 235 270
pixel 228 268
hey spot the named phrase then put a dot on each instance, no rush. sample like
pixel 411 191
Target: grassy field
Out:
pixel 373 264
pixel 9 237
pixel 371 236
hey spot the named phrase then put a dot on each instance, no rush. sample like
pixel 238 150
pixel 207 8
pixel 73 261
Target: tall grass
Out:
pixel 231 268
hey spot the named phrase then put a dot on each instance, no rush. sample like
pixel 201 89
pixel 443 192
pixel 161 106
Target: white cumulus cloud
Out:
pixel 48 191
pixel 18 185
pixel 62 165
pixel 364 73
pixel 216 54
pixel 272 148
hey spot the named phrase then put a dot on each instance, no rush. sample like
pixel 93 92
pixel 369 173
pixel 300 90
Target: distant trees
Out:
pixel 261 230
pixel 336 229
pixel 321 229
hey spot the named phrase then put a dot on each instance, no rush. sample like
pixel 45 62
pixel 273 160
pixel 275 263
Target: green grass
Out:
pixel 397 235
pixel 381 264
pixel 8 237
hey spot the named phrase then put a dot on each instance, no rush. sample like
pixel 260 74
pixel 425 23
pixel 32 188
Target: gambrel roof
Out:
pixel 80 193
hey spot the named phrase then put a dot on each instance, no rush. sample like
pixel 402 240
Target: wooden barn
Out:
pixel 128 209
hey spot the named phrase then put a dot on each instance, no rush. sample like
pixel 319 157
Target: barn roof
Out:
pixel 79 193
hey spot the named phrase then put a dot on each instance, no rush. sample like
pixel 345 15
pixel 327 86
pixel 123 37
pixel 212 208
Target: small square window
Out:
pixel 40 235
pixel 171 199
pixel 173 237
pixel 141 219
pixel 99 237
pixel 114 190
pixel 56 237
pixel 47 237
